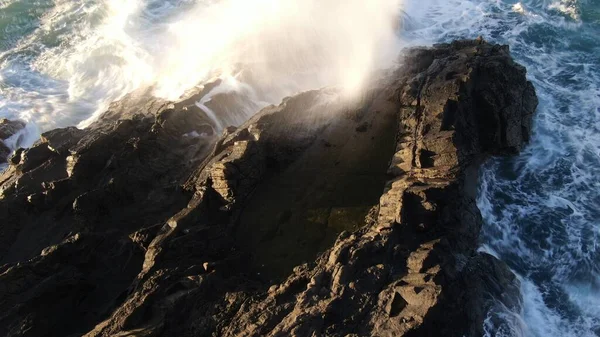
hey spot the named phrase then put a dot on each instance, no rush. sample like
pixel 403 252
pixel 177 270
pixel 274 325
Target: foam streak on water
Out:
pixel 542 209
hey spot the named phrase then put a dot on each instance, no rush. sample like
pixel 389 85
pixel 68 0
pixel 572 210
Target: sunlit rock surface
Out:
pixel 318 217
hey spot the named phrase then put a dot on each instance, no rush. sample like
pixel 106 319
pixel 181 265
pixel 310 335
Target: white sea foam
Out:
pixel 567 7
pixel 518 8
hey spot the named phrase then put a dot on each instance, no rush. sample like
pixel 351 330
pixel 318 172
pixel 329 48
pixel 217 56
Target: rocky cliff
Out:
pixel 322 216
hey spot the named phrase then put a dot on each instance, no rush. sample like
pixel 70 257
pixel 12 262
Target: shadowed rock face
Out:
pixel 317 217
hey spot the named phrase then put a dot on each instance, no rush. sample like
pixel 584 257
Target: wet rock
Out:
pixel 4 152
pixel 7 129
pixel 316 217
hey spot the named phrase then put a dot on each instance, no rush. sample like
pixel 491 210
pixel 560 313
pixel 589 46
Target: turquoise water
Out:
pixel 62 62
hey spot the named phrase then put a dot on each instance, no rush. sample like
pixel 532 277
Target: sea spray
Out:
pixel 540 208
pixel 84 55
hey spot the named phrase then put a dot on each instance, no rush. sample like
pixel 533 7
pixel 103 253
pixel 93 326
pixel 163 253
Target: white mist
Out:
pixel 289 45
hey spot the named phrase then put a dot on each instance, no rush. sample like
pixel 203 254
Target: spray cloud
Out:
pixel 289 45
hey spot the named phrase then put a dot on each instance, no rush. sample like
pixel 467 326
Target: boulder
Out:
pixel 7 129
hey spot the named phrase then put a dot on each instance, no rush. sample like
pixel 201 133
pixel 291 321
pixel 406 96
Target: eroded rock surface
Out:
pixel 317 217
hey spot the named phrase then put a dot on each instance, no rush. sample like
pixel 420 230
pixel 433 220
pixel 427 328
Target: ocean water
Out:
pixel 63 61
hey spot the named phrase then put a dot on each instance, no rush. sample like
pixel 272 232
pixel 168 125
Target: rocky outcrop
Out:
pixel 76 208
pixel 322 216
pixel 7 129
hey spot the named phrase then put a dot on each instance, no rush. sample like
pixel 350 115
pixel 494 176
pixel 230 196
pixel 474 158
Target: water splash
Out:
pixel 85 54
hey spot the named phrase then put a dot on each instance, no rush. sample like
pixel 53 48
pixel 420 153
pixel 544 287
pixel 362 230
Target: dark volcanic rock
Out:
pixel 7 129
pixel 317 217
